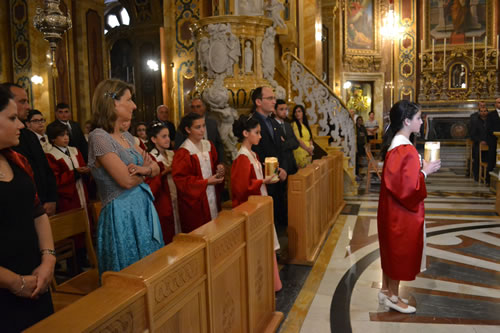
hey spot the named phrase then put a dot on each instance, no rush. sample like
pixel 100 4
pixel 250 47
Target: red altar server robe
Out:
pixel 244 182
pixel 71 193
pixel 400 217
pixel 163 203
pixel 194 209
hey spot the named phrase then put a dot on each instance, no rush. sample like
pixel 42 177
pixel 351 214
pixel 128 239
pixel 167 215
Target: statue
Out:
pixel 250 8
pixel 220 51
pixel 203 50
pixel 233 45
pixel 274 9
pixel 248 57
pixel 268 54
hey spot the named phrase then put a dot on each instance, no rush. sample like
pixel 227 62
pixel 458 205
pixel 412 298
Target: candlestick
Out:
pixel 485 50
pixel 422 54
pixel 433 54
pixel 497 54
pixel 473 46
pixel 444 55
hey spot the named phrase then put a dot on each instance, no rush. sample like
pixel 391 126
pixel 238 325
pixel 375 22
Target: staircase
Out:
pixel 454 157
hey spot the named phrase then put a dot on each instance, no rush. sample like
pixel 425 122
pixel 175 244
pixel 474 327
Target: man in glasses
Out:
pixel 36 123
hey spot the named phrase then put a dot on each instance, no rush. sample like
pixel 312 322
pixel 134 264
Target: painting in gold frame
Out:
pixel 459 21
pixel 361 27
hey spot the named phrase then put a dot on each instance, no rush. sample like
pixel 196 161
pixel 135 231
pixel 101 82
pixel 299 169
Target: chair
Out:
pixel 375 145
pixel 374 166
pixel 483 165
pixel 65 226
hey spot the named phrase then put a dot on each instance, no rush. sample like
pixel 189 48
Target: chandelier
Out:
pixel 52 23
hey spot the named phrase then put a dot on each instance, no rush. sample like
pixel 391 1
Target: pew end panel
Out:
pixel 176 281
pixel 260 251
pixel 225 238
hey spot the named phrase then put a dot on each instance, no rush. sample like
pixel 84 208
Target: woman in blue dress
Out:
pixel 128 227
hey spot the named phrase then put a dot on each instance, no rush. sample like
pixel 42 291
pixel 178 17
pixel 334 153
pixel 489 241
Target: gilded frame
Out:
pixel 485 16
pixel 354 30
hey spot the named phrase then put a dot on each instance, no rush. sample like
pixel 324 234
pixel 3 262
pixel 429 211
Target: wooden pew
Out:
pixel 315 200
pixel 218 278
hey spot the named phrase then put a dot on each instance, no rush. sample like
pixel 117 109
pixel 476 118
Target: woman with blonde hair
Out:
pixel 128 227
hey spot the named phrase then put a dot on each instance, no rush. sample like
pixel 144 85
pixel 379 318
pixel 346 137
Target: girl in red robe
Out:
pixel 162 185
pixel 400 217
pixel 68 166
pixel 198 178
pixel 246 174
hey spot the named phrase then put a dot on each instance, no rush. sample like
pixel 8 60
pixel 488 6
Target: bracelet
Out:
pixel 48 251
pixel 23 284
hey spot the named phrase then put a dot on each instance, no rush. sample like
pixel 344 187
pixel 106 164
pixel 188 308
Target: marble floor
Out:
pixel 459 292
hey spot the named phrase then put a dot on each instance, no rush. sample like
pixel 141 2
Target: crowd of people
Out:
pixel 152 185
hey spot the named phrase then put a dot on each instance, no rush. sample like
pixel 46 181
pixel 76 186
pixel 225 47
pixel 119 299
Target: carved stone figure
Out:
pixel 268 54
pixel 233 45
pixel 203 50
pixel 248 57
pixel 250 7
pixel 220 51
pixel 273 10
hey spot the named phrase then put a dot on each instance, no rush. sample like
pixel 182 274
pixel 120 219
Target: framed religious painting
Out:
pixel 460 22
pixel 361 27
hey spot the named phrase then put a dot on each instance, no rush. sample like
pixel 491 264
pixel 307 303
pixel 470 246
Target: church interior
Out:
pixel 343 60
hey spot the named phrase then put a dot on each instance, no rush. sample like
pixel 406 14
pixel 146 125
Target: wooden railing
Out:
pixel 315 199
pixel 218 278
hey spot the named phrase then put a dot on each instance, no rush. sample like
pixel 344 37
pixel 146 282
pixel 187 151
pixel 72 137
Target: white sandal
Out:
pixel 382 296
pixel 392 303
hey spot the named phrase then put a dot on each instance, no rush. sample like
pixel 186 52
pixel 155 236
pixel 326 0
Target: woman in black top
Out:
pixel 27 255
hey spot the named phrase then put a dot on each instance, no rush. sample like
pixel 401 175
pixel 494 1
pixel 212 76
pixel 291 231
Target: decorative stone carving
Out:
pixel 273 10
pixel 325 110
pixel 268 64
pixel 216 96
pixel 249 7
pixel 218 53
pixel 363 63
pixel 248 57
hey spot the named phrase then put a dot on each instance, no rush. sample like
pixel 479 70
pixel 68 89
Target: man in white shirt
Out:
pixel 36 123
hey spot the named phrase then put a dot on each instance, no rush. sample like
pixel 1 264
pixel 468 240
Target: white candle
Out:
pixel 444 55
pixel 485 50
pixel 433 54
pixel 422 55
pixel 497 54
pixel 473 46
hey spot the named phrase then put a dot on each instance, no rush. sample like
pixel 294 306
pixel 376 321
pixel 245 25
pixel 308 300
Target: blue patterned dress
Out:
pixel 128 227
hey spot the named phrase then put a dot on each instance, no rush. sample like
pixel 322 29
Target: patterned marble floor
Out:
pixel 459 292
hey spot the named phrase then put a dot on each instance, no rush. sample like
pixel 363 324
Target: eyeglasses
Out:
pixel 37 121
pixel 270 98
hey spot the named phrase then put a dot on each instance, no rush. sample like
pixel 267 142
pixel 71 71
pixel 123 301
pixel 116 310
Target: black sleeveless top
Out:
pixel 19 250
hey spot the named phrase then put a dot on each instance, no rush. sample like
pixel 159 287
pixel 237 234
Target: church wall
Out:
pixel 5 50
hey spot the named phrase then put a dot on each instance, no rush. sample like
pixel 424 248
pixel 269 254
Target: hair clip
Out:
pixel 112 95
pixel 156 124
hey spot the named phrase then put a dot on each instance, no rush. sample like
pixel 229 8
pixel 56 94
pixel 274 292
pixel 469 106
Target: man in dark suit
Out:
pixel 76 137
pixel 212 133
pixel 271 145
pixel 478 134
pixel 30 147
pixel 493 125
pixel 162 112
pixel 289 140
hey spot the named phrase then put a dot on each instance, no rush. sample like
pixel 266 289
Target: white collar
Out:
pixel 63 149
pixel 191 147
pixel 38 135
pixel 281 122
pixel 399 140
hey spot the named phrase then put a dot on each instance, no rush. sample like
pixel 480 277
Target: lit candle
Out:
pixel 444 55
pixel 422 54
pixel 485 50
pixel 433 54
pixel 497 54
pixel 473 49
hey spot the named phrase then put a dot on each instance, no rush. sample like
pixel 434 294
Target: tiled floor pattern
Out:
pixel 459 292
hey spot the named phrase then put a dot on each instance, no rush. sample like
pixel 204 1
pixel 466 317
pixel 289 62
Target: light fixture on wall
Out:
pixel 391 30
pixel 153 65
pixel 37 79
pixel 347 84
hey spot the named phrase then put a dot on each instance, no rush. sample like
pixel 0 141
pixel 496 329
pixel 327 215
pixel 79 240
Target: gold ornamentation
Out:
pixel 358 63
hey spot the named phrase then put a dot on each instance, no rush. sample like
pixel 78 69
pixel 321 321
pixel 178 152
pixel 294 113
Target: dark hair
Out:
pixel 56 129
pixel 33 113
pixel 152 130
pixel 304 119
pixel 369 113
pixel 399 112
pixel 5 96
pixel 256 94
pixel 139 124
pixel 244 123
pixel 359 117
pixel 279 102
pixel 62 106
pixel 187 121
pixel 8 85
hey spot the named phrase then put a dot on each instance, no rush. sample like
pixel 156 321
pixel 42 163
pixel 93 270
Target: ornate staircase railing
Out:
pixel 322 105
